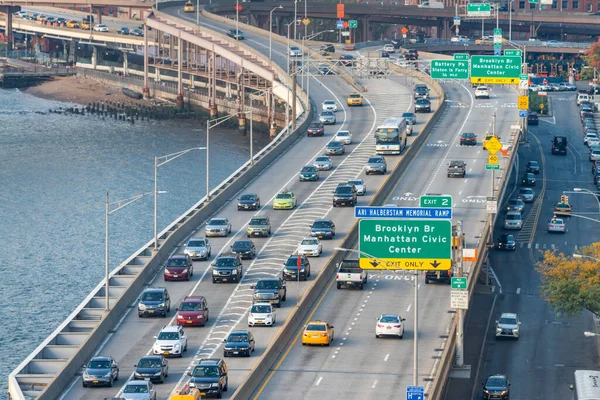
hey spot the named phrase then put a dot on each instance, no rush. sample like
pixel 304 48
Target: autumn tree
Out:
pixel 569 284
pixel 592 55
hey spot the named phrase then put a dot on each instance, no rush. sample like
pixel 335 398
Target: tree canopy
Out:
pixel 592 55
pixel 571 285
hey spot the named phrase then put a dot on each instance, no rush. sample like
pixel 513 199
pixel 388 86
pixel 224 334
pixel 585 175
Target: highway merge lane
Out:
pixel 540 365
pixel 357 365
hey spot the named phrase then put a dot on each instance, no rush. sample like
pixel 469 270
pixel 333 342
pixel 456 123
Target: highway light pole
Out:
pixel 120 204
pixel 197 12
pixel 158 163
pixel 575 255
pixel 306 66
pixel 460 349
pixel 287 104
pixel 510 20
pixel 587 191
pixel 415 312
pixel 271 31
pixel 211 123
pixel 237 19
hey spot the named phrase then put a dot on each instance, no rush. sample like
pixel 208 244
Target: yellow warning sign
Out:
pixel 492 159
pixel 305 21
pixel 497 81
pixel 523 103
pixel 422 264
pixel 493 145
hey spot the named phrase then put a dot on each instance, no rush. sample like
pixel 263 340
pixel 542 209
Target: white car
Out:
pixel 482 92
pixel 595 155
pixel 459 39
pixel 171 341
pixel 329 105
pixel 557 225
pixel 139 390
pixel 593 141
pixel 295 51
pixel 310 246
pixel 389 48
pixel 101 28
pixel 344 137
pixel 588 137
pixel 508 326
pixel 261 314
pixel 389 325
pixel 360 185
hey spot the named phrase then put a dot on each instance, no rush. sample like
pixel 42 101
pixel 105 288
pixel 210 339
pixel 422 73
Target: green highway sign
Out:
pixel 435 201
pixel 391 244
pixel 534 1
pixel 495 67
pixel 498 45
pixel 492 166
pixel 449 69
pixel 497 31
pixel 513 52
pixel 524 77
pixel 461 57
pixel 458 283
pixel 353 23
pixel 479 10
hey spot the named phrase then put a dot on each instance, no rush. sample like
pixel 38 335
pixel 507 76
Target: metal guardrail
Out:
pixel 472 42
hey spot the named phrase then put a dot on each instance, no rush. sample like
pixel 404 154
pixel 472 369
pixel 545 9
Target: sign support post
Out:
pixel 460 349
pixel 416 333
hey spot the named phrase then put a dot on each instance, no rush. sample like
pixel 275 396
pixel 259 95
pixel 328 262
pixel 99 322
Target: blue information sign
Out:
pixel 497 52
pixel 415 393
pixel 403 212
pixel 340 24
pixel 522 113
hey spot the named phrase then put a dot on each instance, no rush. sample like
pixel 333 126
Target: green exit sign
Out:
pixel 513 52
pixel 458 283
pixel 461 57
pixel 449 69
pixel 479 10
pixel 534 1
pixel 435 201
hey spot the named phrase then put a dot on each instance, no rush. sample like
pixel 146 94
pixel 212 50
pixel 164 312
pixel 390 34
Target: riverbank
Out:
pixel 74 89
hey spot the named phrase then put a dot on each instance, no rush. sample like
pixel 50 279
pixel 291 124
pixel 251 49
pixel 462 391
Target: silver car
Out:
pixel 218 227
pixel 508 326
pixel 526 194
pixel 327 118
pixel 344 137
pixel 198 248
pixel 139 390
pixel 329 105
pixel 360 185
pixel 323 163
pixel 376 165
pixel 513 220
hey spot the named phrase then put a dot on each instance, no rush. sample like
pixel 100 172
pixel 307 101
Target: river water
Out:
pixel 54 173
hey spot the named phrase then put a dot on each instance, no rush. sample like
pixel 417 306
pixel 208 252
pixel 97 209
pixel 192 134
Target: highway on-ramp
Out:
pixel 358 365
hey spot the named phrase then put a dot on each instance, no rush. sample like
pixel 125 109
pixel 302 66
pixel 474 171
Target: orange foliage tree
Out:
pixel 592 55
pixel 569 284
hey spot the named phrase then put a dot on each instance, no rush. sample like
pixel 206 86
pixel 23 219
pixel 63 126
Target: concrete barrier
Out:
pixel 297 317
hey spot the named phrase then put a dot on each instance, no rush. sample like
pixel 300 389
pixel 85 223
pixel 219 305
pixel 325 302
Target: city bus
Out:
pixel 189 7
pixel 587 385
pixel 391 136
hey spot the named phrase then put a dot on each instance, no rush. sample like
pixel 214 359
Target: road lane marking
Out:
pixel 319 381
pixel 518 290
pixel 387 356
pixel 374 384
pixel 408 308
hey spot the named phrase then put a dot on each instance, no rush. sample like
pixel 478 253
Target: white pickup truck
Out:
pixel 349 274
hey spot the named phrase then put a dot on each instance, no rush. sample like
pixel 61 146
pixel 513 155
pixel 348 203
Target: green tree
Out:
pixel 592 55
pixel 571 285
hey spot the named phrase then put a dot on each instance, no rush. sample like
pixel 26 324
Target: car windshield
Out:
pixel 242 244
pixel 248 197
pixel 526 191
pixel 196 243
pixel 508 320
pixel 496 381
pixel 217 222
pixel 238 338
pixel 355 182
pixel 315 125
pixel 190 306
pixel 329 102
pixel 515 202
pixel 309 242
pixel 136 388
pixel 408 115
pixel 327 113
pixel 316 327
pixel 355 96
pixel 177 262
pixel 225 262
pixel 168 336
pixel 206 371
pixel 513 217
pixel 292 262
pixel 261 309
pixel 294 48
pixel 152 296
pixel 375 160
pixel 258 221
pixel 334 144
pixel 389 319
pixel 267 285
pixel 99 364
pixel 322 159
pixel 284 196
pixel 308 169
pixel 343 133
pixel 149 363
pixel 321 224
pixel 344 190
pixel 422 101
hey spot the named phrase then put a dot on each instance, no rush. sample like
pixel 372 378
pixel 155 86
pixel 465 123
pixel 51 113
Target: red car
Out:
pixel 179 268
pixel 192 311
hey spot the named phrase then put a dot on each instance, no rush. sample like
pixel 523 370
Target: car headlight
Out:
pixel 498 330
pixel 107 375
pixel 504 392
pixel 176 345
pixel 158 373
pixel 515 330
pixel 161 305
pixel 214 385
pixel 141 307
pixel 269 315
pixel 486 391
pixel 185 271
pixel 85 374
pixel 302 269
pixel 234 272
pixel 167 271
pixel 223 229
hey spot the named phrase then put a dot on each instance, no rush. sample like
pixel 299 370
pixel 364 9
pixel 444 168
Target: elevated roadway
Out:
pixel 358 365
pixel 551 347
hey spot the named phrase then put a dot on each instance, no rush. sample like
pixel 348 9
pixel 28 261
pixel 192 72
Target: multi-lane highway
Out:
pixel 358 365
pixel 540 365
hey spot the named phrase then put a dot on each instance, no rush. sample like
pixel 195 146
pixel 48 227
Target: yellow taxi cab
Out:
pixel 186 393
pixel 72 24
pixel 326 55
pixel 317 332
pixel 355 99
pixel 41 18
pixel 85 26
pixel 189 7
pixel 488 137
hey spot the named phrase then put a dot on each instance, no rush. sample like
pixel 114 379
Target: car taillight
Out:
pixel 360 277
pixel 323 334
pixel 306 334
pixel 561 226
pixel 397 326
pixel 337 276
pixel 379 326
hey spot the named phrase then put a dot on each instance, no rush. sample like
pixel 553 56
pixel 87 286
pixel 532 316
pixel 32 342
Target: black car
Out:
pixel 238 343
pixel 533 167
pixel 154 301
pixel 421 91
pixel 100 371
pixel 248 201
pixel 506 242
pixel 244 248
pixel 328 48
pixel 347 60
pixel 124 31
pixel 269 290
pixel 345 195
pixel 532 119
pixel 61 20
pixel 323 228
pixel 153 368
pixel 137 32
pixel 239 35
pixel 295 265
pixel 210 376
pixel 468 139
pixel 587 108
pixel 559 145
pixel 384 54
pixel 444 276
pixel 315 129
pixel 528 179
pixel 422 105
pixel 496 387
pixel 227 269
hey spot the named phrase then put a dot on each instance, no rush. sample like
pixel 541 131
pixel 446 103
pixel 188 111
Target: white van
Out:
pixel 581 97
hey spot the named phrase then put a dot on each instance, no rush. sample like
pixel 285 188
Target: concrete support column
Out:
pixel 125 64
pixel 364 22
pixel 242 123
pixel 72 52
pixel 94 57
pixel 65 51
pixel 98 15
pixel 179 73
pixel 228 89
pixel 129 13
pixel 9 29
pixel 146 89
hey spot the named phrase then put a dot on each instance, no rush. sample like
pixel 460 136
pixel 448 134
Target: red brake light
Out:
pixel 397 326
pixel 360 277
pixel 337 276
pixel 379 326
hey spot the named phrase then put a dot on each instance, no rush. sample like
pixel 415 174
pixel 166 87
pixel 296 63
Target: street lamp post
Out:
pixel 120 204
pixel 575 255
pixel 287 104
pixel 510 20
pixel 587 191
pixel 295 17
pixel 197 12
pixel 590 334
pixel 415 314
pixel 271 30
pixel 306 67
pixel 158 163
pixel 237 19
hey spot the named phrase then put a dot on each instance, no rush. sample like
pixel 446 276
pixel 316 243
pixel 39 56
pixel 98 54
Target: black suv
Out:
pixel 153 368
pixel 291 269
pixel 154 301
pixel 210 376
pixel 248 201
pixel 496 387
pixel 244 248
pixel 227 269
pixel 269 290
pixel 438 276
pixel 315 129
pixel 345 195
pixel 559 145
